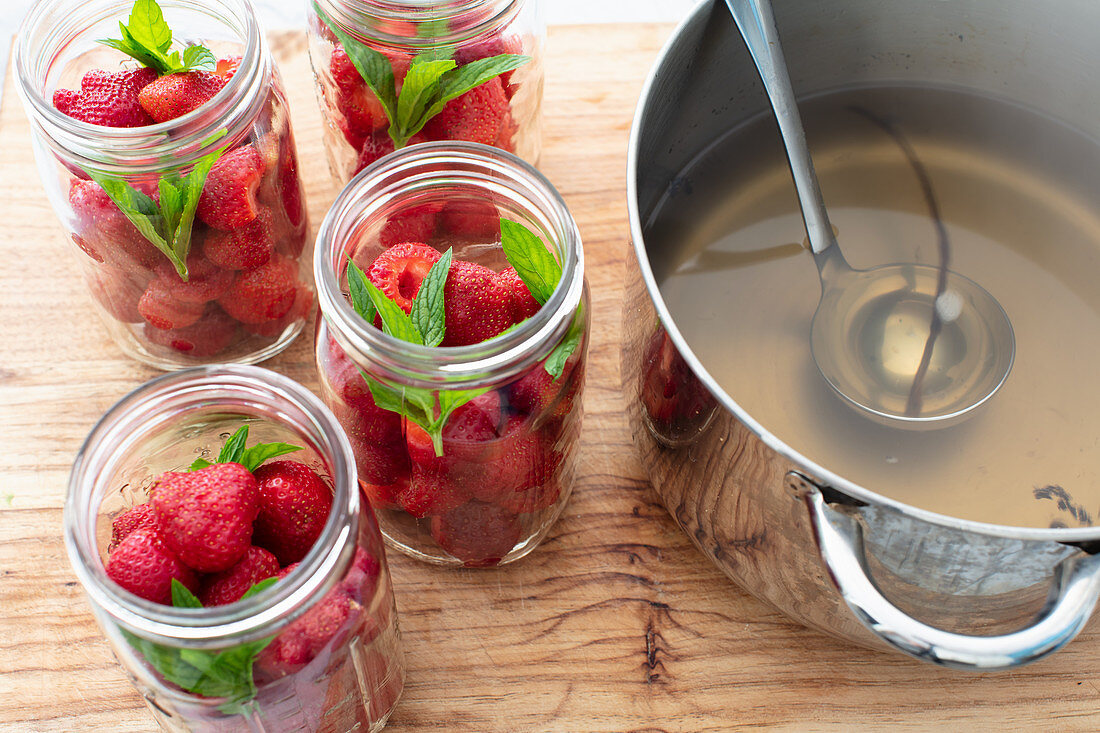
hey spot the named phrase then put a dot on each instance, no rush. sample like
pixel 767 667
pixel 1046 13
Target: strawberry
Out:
pixel 228 199
pixel 107 99
pixel 399 271
pixel 160 307
pixel 431 491
pixel 206 516
pixel 209 335
pixel 227 67
pixel 414 224
pixel 523 304
pixel 301 309
pixel 476 220
pixel 676 403
pixel 105 233
pixel 263 294
pixel 520 461
pixel 375 147
pixel 131 519
pixel 300 642
pixel 244 248
pixel 536 392
pixel 206 281
pixel 229 585
pixel 382 496
pixel 477 116
pixel 175 95
pixel 478 534
pixel 533 499
pixel 362 577
pixel 143 564
pixel 477 307
pixel 376 435
pixel 290 190
pixel 362 110
pixel 118 292
pixel 506 134
pixel 294 506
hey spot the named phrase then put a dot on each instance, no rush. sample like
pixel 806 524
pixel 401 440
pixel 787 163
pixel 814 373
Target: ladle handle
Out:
pixel 756 22
pixel 1072 598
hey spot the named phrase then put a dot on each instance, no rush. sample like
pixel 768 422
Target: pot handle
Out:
pixel 1073 596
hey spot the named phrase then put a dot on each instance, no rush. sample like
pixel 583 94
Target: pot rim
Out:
pixel 814 471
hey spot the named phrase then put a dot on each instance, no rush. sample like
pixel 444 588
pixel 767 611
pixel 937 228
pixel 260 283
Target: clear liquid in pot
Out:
pixel 1017 192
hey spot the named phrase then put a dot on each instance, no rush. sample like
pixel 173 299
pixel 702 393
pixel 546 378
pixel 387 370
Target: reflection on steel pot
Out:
pixel 831 552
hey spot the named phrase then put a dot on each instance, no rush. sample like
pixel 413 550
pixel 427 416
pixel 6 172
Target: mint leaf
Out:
pixel 555 363
pixel 199 57
pixel 147 38
pixel 360 297
pixel 182 597
pixel 374 67
pixel 395 321
pixel 234 447
pixel 428 311
pixel 457 82
pixel 254 457
pixel 534 263
pixel 198 464
pixel 420 91
pixel 452 399
pixel 259 587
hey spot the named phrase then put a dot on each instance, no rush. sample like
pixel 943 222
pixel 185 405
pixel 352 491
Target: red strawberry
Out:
pixel 535 392
pixel 477 220
pixel 131 519
pixel 301 309
pixel 521 459
pixel 431 492
pixel 534 499
pixel 144 565
pixel 362 577
pixel 360 107
pixel 290 189
pixel 228 199
pixel 375 434
pixel 263 294
pixel 229 585
pixel 118 292
pixel 375 147
pixel 227 67
pixel 174 95
pixel 523 304
pixel 160 307
pixel 477 116
pixel 383 496
pixel 208 336
pixel 477 307
pixel 300 642
pixel 414 224
pixel 294 506
pixel 478 534
pixel 244 248
pixel 399 271
pixel 206 281
pixel 107 99
pixel 105 232
pixel 206 516
pixel 506 135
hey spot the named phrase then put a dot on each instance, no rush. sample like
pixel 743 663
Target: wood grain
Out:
pixel 614 624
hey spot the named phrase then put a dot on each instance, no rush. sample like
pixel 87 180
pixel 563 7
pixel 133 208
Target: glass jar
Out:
pixel 503 110
pixel 243 292
pixel 322 642
pixel 473 500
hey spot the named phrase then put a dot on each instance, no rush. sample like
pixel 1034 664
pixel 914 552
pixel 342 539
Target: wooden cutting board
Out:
pixel 615 623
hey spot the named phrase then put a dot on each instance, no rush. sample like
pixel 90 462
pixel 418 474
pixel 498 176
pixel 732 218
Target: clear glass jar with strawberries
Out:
pixel 215 521
pixel 172 166
pixel 393 73
pixel 453 348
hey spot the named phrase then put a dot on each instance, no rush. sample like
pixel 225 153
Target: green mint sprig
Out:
pixel 225 674
pixel 234 451
pixel 425 325
pixel 429 84
pixel 166 225
pixel 148 39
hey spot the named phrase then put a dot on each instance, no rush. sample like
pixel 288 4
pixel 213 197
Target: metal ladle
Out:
pixel 908 345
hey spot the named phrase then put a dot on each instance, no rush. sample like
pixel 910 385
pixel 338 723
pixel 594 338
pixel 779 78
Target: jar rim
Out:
pixel 262 614
pixel 152 147
pixel 370 19
pixel 455 366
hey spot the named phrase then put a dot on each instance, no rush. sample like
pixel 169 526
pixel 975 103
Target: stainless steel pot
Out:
pixel 834 555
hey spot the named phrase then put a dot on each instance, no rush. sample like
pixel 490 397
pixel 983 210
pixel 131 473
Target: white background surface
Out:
pixel 276 14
